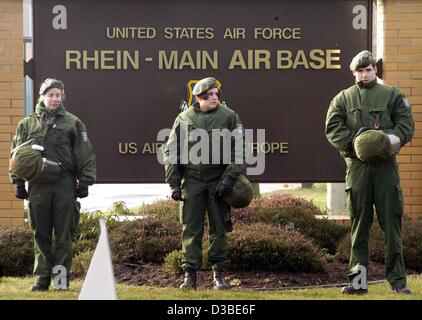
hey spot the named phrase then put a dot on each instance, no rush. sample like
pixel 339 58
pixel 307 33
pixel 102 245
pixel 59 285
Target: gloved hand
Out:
pixel 82 191
pixel 225 187
pixel 176 193
pixel 21 191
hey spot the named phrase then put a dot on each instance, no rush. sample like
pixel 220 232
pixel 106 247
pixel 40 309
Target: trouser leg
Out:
pixel 65 220
pixel 389 207
pixel 359 203
pixel 41 221
pixel 218 213
pixel 192 214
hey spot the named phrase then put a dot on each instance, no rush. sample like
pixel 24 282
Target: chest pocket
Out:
pixel 354 118
pixel 380 118
pixel 58 136
pixel 192 133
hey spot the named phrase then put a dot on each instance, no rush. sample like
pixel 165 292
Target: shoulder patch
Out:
pixel 84 136
pixel 239 128
pixel 406 103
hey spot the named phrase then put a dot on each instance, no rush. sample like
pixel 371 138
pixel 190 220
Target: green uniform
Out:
pixel 199 182
pixel 369 185
pixel 53 206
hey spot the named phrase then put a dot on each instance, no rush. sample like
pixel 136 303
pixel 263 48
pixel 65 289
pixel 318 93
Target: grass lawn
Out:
pixel 18 289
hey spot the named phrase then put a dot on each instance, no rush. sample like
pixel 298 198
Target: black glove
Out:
pixel 82 191
pixel 21 191
pixel 225 187
pixel 176 193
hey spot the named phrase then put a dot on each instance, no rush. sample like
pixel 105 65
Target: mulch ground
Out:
pixel 155 275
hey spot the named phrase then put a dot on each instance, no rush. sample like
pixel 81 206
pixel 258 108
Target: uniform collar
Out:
pixel 368 85
pixel 41 109
pixel 198 109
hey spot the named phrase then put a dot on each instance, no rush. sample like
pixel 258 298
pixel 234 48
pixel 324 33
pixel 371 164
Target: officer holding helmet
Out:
pixel 201 186
pixel 66 170
pixel 368 123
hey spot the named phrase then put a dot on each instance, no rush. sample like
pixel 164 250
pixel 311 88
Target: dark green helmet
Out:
pixel 26 163
pixel 242 193
pixel 51 83
pixel 204 85
pixel 373 146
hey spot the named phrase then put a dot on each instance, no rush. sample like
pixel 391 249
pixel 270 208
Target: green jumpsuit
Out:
pixel 53 207
pixel 375 106
pixel 199 182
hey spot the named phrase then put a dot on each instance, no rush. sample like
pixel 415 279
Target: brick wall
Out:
pixel 402 20
pixel 11 102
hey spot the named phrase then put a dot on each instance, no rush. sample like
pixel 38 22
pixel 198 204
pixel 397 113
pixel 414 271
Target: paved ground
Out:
pixel 102 196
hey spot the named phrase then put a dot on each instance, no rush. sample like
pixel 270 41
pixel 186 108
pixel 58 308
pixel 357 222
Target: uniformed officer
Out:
pixel 201 185
pixel 53 208
pixel 359 110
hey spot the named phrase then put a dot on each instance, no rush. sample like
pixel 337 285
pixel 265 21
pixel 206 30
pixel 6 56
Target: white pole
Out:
pixel 336 199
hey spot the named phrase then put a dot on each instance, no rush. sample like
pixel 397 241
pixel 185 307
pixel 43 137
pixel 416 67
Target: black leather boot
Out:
pixel 189 281
pixel 38 287
pixel 351 290
pixel 402 289
pixel 219 281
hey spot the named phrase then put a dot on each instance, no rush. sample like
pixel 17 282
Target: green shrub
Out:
pixel 175 258
pixel 269 248
pixel 287 211
pixel 326 234
pixel 278 201
pixel 411 238
pixel 148 240
pixel 16 244
pixel 119 208
pixel 80 263
pixel 343 249
pixel 412 242
pixel 162 209
pixel 261 247
pixel 16 251
pixel 89 226
pixel 83 245
pixel 173 262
